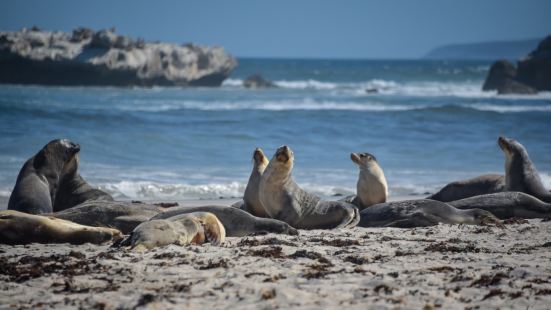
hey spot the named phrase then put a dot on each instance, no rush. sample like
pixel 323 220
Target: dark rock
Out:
pixel 532 74
pixel 257 81
pixel 104 58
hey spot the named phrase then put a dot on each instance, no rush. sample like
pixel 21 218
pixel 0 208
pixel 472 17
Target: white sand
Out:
pixel 447 266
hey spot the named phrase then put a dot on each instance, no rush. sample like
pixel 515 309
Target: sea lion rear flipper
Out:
pixel 127 223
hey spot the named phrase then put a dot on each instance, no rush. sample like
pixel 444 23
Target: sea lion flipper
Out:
pixel 213 228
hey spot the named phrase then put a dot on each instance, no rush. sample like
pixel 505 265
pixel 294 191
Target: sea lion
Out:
pixel 507 205
pixel 237 222
pixel 73 189
pixel 371 187
pixel 284 200
pixel 38 181
pixel 420 213
pixel 521 174
pixel 484 184
pixel 22 228
pixel 251 202
pixel 183 229
pixel 124 216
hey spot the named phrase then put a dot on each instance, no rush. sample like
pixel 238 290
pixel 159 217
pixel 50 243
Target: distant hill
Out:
pixel 512 50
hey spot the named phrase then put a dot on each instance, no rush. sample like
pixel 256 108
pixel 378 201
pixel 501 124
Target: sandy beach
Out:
pixel 446 266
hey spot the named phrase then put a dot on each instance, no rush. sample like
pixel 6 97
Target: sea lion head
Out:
pixel 284 155
pixel 364 160
pixel 510 147
pixel 260 160
pixel 483 217
pixel 57 153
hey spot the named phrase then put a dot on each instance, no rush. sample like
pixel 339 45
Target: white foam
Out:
pixel 510 108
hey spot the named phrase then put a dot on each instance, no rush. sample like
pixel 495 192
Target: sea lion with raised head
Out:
pixel 73 189
pixel 183 229
pixel 251 202
pixel 38 180
pixel 421 213
pixel 124 216
pixel 371 187
pixel 507 205
pixel 284 200
pixel 23 228
pixel 237 222
pixel 521 174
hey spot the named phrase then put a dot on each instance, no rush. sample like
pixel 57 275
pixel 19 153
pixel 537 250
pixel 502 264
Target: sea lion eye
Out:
pixel 363 155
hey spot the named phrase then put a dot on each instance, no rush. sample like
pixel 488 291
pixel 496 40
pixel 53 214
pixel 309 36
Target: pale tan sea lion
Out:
pixel 284 200
pixel 372 187
pixel 22 228
pixel 183 229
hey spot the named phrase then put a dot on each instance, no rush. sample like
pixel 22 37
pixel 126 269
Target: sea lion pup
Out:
pixel 251 202
pixel 521 174
pixel 22 228
pixel 284 200
pixel 507 205
pixel 371 187
pixel 183 229
pixel 124 216
pixel 38 180
pixel 481 185
pixel 420 213
pixel 73 189
pixel 237 222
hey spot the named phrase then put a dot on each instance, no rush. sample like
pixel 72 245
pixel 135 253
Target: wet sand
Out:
pixel 448 266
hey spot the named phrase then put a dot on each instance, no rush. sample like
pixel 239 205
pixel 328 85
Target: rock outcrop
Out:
pixel 257 81
pixel 532 74
pixel 103 58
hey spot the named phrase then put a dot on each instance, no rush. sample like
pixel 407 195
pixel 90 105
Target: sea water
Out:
pixel 427 123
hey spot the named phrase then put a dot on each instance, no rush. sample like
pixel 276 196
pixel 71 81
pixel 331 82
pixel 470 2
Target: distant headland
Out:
pixel 102 58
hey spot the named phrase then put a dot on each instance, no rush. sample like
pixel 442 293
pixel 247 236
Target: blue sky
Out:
pixel 294 28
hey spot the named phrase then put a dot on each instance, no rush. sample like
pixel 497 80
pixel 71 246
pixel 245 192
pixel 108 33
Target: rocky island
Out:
pixel 103 58
pixel 531 75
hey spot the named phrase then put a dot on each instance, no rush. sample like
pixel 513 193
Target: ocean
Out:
pixel 428 124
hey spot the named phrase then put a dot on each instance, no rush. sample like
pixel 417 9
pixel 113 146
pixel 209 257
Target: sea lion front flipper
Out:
pixel 214 231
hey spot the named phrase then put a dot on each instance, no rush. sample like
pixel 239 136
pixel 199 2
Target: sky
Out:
pixel 385 29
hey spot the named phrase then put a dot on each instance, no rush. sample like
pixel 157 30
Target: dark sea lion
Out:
pixel 251 202
pixel 124 216
pixel 22 228
pixel 237 222
pixel 507 205
pixel 484 184
pixel 73 189
pixel 521 174
pixel 284 200
pixel 371 187
pixel 38 181
pixel 183 229
pixel 420 213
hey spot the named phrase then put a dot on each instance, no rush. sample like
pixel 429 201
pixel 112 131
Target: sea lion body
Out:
pixel 22 228
pixel 38 180
pixel 507 205
pixel 481 185
pixel 237 222
pixel 183 229
pixel 74 190
pixel 251 200
pixel 521 174
pixel 420 213
pixel 372 187
pixel 124 216
pixel 284 200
